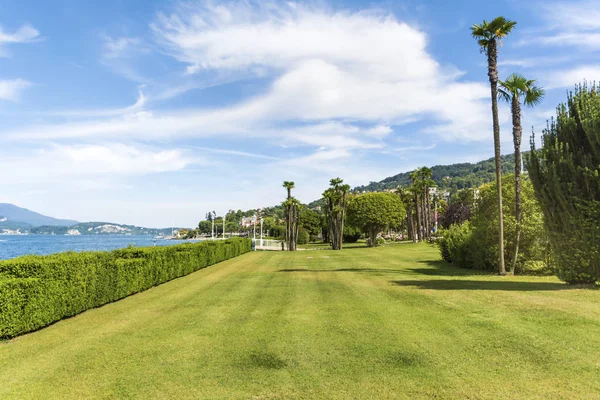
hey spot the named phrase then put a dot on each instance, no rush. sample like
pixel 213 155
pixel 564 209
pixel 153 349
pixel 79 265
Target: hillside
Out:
pixel 453 177
pixel 6 223
pixel 22 217
pixel 98 228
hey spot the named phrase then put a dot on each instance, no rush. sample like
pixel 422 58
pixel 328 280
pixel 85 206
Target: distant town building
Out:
pixel 249 221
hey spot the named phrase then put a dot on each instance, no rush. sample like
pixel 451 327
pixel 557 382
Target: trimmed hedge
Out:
pixel 36 291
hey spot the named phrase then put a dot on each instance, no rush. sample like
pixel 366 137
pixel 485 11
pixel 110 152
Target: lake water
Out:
pixel 18 245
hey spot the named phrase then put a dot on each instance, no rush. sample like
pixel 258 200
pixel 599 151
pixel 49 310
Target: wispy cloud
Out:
pixel 569 23
pixel 568 78
pixel 60 161
pixel 131 110
pixel 328 65
pixel 11 89
pixel 24 34
pixel 530 62
pixel 121 54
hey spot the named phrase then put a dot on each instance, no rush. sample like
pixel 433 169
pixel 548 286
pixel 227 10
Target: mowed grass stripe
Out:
pixel 391 322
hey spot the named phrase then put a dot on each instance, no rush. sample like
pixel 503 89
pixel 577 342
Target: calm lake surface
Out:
pixel 18 245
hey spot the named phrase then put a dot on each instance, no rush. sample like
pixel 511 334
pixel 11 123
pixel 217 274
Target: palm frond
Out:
pixel 534 96
pixel 504 95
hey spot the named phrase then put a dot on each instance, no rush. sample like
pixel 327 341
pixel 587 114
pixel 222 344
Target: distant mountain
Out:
pixel 453 177
pixel 5 223
pixel 99 228
pixel 26 218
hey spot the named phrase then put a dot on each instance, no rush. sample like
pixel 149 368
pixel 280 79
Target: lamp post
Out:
pixel 261 232
pixel 254 225
pixel 224 226
pixel 212 229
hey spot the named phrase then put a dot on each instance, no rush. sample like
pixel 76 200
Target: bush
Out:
pixel 36 291
pixel 566 176
pixel 474 244
pixel 303 236
pixel 455 245
pixel 278 232
pixel 379 241
pixel 351 234
pixel 484 222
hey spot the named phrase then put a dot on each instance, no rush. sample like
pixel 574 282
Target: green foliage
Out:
pixel 458 209
pixel 566 176
pixel 534 239
pixel 336 202
pixel 310 221
pixel 488 33
pixel 374 212
pixel 449 177
pixel 205 227
pixel 351 234
pixel 475 244
pixel 278 232
pixel 455 245
pixel 36 291
pixel 303 236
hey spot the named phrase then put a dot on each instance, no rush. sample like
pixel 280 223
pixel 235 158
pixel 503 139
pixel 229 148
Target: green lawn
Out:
pixel 391 322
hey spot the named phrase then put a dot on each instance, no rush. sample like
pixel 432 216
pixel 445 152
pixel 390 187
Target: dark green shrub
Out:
pixel 566 176
pixel 484 222
pixel 351 234
pixel 36 291
pixel 278 232
pixel 455 246
pixel 303 236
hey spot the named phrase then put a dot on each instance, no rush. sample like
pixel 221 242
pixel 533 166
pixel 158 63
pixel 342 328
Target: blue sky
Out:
pixel 153 112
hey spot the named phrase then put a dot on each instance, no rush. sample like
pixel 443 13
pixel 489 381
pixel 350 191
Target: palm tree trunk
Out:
pixel 492 53
pixel 427 213
pixel 517 134
pixel 419 225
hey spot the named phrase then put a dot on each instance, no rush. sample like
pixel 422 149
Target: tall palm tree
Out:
pixel 287 210
pixel 512 90
pixel 488 35
pixel 289 186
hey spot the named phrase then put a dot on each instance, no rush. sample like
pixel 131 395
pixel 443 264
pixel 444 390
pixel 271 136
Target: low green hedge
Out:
pixel 36 291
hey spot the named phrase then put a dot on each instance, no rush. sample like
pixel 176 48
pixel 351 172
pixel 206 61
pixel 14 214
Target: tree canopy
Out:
pixel 375 212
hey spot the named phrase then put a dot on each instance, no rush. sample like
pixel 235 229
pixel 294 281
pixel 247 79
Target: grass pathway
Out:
pixel 392 322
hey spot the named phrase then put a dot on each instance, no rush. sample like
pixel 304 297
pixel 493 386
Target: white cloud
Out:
pixel 120 55
pixel 529 62
pixel 329 65
pixel 59 162
pixel 131 111
pixel 568 78
pixel 319 159
pixel 326 67
pixel 24 34
pixel 11 89
pixel 571 23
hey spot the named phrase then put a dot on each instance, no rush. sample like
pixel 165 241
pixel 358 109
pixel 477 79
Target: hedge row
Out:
pixel 36 291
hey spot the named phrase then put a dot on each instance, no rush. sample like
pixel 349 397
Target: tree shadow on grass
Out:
pixel 463 284
pixel 443 268
pixel 371 270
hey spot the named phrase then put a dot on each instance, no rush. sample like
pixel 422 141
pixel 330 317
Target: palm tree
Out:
pixel 287 211
pixel 512 90
pixel 289 186
pixel 488 35
pixel 335 210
